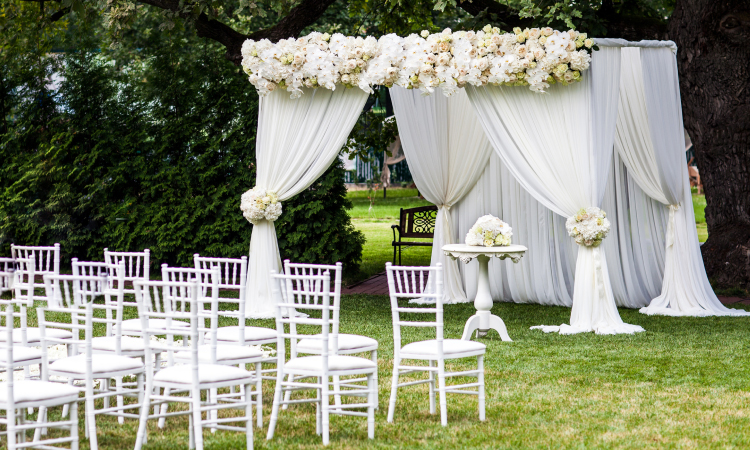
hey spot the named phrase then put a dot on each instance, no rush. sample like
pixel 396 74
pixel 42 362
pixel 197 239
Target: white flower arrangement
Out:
pixel 450 60
pixel 489 231
pixel 258 204
pixel 588 227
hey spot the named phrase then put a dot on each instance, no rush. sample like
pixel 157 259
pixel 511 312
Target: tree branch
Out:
pixel 492 7
pixel 59 14
pixel 291 25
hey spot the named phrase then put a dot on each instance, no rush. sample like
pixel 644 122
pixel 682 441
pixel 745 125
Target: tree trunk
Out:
pixel 714 65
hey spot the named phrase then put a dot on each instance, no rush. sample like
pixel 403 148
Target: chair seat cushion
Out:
pixel 36 391
pixel 102 363
pixel 127 344
pixel 252 334
pixel 21 354
pixel 33 335
pixel 224 353
pixel 451 347
pixel 207 373
pixel 345 342
pixel 335 362
pixel 134 325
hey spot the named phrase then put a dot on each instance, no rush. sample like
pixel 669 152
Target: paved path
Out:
pixel 378 285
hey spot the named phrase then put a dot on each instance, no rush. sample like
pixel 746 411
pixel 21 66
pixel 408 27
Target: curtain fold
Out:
pixel 297 141
pixel 447 152
pixel 559 147
pixel 651 142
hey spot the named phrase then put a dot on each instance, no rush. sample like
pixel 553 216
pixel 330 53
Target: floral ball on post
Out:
pixel 258 204
pixel 588 227
pixel 489 231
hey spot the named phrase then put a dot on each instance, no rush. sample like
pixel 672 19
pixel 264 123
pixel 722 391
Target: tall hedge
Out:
pixel 153 154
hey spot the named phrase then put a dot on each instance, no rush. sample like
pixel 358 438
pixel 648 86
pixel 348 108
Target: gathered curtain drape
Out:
pixel 447 151
pixel 297 141
pixel 559 147
pixel 650 140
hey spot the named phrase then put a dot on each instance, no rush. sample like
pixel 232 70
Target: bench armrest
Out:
pixel 394 228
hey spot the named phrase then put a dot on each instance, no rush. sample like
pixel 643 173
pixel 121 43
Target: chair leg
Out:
pixel 374 357
pixel 143 421
pixel 213 395
pixel 66 408
pixel 197 421
pixel 163 410
pixel 191 432
pixel 480 364
pixel 91 417
pixel 394 388
pixel 120 400
pixel 337 387
pixel 318 408
pixel 73 426
pixel 42 430
pixel 372 387
pixel 259 391
pixel 324 403
pixel 276 400
pixel 249 415
pixel 288 394
pixel 432 388
pixel 441 388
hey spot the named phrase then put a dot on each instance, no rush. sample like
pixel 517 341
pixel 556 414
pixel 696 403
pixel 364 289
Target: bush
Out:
pixel 154 154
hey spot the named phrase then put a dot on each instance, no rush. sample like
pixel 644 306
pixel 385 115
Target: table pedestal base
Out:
pixel 482 322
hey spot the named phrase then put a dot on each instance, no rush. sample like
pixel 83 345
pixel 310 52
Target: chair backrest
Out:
pixel 310 295
pixel 7 271
pixel 334 271
pixel 232 276
pixel 206 279
pixel 47 258
pixel 114 292
pixel 418 222
pixel 416 283
pixel 170 308
pixel 73 295
pixel 24 280
pixel 137 264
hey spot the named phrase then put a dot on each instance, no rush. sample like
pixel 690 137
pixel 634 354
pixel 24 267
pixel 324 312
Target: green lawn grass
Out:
pixel 681 384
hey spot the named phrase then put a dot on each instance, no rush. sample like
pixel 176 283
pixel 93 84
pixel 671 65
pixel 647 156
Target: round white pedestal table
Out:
pixel 484 320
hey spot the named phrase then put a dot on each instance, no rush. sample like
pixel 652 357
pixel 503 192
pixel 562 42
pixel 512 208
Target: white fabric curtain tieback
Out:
pixel 445 207
pixel 670 225
pixel 599 275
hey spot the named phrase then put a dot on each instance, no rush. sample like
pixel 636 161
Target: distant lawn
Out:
pixel 376 224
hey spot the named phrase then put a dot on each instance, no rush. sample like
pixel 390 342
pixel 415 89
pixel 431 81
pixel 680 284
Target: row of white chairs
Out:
pixel 186 310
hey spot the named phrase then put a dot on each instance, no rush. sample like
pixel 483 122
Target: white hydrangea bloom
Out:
pixel 489 231
pixel 258 204
pixel 588 227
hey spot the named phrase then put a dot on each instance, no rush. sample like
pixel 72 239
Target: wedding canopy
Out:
pixel 608 137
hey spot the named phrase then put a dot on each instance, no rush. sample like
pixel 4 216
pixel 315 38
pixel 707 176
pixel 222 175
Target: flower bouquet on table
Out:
pixel 489 231
pixel 588 227
pixel 258 204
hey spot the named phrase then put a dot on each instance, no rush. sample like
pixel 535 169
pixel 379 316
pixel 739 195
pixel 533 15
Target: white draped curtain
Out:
pixel 559 148
pixel 447 152
pixel 297 141
pixel 651 142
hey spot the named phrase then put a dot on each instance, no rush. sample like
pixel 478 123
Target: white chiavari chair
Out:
pixel 76 295
pixel 46 260
pixel 226 352
pixel 23 292
pixel 233 277
pixel 312 295
pixel 412 283
pixel 348 344
pixel 180 302
pixel 18 396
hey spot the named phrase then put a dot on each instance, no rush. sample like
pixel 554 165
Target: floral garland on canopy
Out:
pixel 449 60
